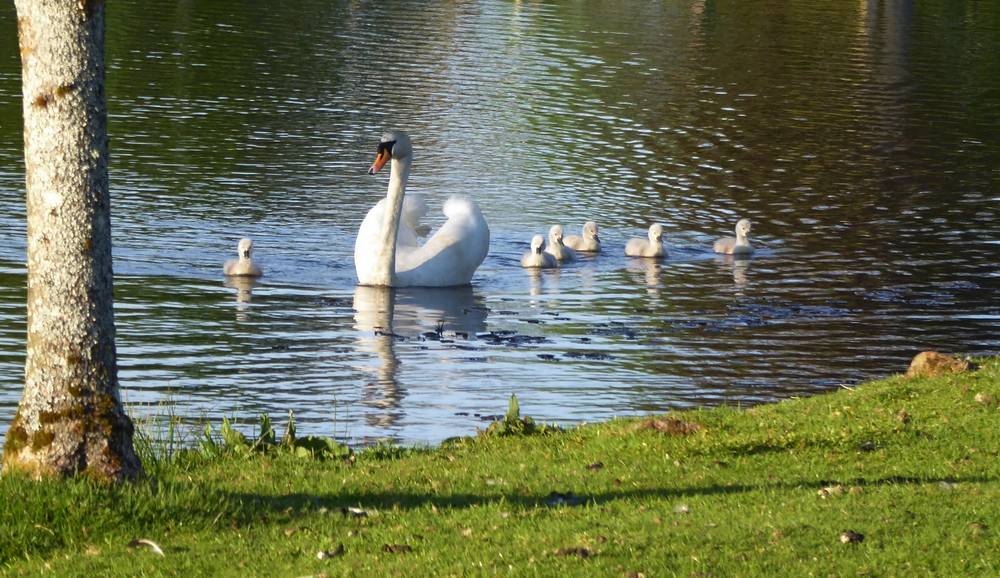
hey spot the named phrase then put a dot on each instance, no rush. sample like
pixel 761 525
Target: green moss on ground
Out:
pixel 911 465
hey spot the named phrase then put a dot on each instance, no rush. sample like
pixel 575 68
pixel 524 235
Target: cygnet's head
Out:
pixel 656 232
pixel 244 247
pixel 537 244
pixel 394 144
pixel 556 234
pixel 743 227
pixel 590 230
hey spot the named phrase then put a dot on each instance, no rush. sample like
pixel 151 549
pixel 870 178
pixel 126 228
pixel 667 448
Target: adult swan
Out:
pixel 387 252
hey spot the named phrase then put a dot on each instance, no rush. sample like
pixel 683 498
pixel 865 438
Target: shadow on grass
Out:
pixel 33 523
pixel 291 503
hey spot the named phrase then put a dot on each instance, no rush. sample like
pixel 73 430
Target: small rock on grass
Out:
pixel 851 537
pixel 327 554
pixel 397 548
pixel 671 426
pixel 567 499
pixel 985 399
pixel 933 363
pixel 355 512
pixel 831 491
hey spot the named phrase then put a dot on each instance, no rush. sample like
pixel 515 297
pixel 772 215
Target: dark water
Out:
pixel 860 138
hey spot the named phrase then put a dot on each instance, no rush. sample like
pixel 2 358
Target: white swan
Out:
pixel 537 257
pixel 243 265
pixel 647 248
pixel 590 242
pixel 387 252
pixel 555 246
pixel 738 246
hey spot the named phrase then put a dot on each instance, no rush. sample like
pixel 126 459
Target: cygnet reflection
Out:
pixel 542 281
pixel 244 292
pixel 651 272
pixel 738 264
pixel 386 318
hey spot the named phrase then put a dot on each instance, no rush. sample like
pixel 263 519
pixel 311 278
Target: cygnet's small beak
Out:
pixel 246 254
pixel 380 159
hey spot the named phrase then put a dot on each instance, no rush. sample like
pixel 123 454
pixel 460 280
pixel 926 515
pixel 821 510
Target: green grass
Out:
pixel 914 466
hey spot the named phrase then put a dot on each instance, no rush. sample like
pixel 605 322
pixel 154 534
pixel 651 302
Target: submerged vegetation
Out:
pixel 898 476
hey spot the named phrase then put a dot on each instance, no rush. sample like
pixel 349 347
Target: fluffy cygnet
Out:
pixel 537 257
pixel 555 246
pixel 652 247
pixel 590 242
pixel 243 265
pixel 738 246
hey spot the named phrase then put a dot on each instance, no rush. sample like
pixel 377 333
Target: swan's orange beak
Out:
pixel 380 159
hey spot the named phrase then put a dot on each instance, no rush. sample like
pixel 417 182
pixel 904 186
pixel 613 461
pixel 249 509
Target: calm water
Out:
pixel 860 137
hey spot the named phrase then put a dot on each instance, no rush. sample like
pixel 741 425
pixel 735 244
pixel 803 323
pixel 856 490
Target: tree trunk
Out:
pixel 70 420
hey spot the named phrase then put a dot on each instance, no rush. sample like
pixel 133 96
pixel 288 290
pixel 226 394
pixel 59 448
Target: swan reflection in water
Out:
pixel 738 264
pixel 244 292
pixel 386 317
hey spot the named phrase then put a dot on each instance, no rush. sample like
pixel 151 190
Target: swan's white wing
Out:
pixel 452 255
pixel 414 209
pixel 370 231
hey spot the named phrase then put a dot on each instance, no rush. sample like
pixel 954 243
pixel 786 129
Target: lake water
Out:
pixel 860 137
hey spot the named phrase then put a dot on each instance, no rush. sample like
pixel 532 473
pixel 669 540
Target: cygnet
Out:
pixel 555 246
pixel 590 242
pixel 537 257
pixel 242 266
pixel 738 246
pixel 652 247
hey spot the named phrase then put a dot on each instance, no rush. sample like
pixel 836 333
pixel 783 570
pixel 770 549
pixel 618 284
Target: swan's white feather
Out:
pixel 452 254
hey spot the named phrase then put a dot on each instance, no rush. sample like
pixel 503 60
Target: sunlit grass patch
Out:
pixel 900 476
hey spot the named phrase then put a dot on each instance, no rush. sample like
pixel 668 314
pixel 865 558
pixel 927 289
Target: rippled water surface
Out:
pixel 860 138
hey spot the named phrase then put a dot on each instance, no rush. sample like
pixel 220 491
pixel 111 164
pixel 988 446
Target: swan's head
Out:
pixel 537 244
pixel 743 227
pixel 394 144
pixel 590 231
pixel 244 247
pixel 556 234
pixel 656 233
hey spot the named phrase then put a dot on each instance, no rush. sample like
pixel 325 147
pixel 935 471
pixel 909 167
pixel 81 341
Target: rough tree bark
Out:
pixel 70 420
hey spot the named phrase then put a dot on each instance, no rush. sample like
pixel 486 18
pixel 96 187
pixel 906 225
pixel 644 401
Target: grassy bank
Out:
pixel 913 466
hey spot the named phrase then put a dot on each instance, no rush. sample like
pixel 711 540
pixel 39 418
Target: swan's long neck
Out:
pixel 385 269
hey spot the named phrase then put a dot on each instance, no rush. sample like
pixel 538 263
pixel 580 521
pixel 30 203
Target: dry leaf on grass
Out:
pixel 671 426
